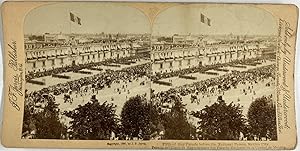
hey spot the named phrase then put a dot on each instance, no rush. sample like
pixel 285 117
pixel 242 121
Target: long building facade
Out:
pixel 42 56
pixel 172 57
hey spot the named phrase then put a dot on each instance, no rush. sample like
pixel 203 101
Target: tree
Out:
pixel 154 120
pixel 138 117
pixel 175 122
pixel 220 121
pixel 93 120
pixel 48 124
pixel 44 121
pixel 27 120
pixel 262 118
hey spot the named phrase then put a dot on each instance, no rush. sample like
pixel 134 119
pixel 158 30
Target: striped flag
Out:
pixel 205 20
pixel 75 19
pixel 72 17
pixel 78 21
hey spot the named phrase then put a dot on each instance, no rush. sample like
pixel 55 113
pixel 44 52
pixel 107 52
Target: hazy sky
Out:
pixel 95 18
pixel 182 19
pixel 226 19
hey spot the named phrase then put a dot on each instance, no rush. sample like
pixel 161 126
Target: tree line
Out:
pixel 144 120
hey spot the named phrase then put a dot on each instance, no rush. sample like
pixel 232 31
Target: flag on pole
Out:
pixel 205 20
pixel 208 21
pixel 202 18
pixel 72 17
pixel 75 19
pixel 78 21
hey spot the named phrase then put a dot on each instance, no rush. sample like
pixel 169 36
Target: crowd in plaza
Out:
pixel 200 69
pixel 108 77
pixel 95 82
pixel 218 84
pixel 37 100
pixel 69 68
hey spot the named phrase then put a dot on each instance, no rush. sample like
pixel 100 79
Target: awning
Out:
pixel 40 55
pixel 33 55
pixel 44 54
pixel 48 53
pixel 61 53
pixel 73 51
pixel 136 45
pixel 29 56
pixel 123 46
pixel 53 54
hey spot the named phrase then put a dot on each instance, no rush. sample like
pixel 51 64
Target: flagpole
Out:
pixel 70 24
pixel 199 24
pixel 200 41
pixel 69 16
pixel 70 32
pixel 70 27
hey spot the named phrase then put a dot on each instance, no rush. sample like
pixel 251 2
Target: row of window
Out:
pixel 93 56
pixel 124 53
pixel 220 57
pixel 40 46
pixel 171 54
pixel 171 64
pixel 54 53
pixel 62 60
pixel 52 63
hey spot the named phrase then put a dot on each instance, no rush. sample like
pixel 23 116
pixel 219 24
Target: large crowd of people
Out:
pixel 217 84
pixel 36 100
pixel 106 78
pixel 37 74
pixel 195 69
pixel 97 82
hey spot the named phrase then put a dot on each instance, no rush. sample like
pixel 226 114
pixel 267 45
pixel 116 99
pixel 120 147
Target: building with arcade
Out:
pixel 45 55
pixel 168 57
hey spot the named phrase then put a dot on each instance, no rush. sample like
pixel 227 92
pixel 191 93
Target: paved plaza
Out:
pixel 240 95
pixel 119 93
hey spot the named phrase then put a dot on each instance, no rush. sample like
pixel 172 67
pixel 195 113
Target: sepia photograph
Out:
pixel 85 66
pixel 213 73
pixel 191 72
